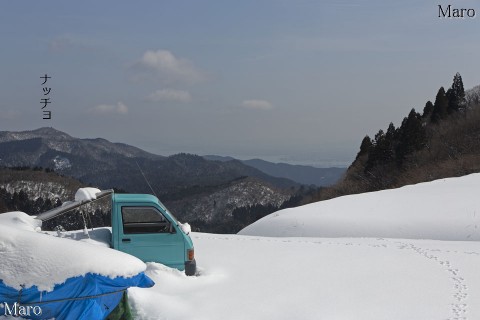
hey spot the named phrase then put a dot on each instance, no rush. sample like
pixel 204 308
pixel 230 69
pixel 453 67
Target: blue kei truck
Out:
pixel 143 227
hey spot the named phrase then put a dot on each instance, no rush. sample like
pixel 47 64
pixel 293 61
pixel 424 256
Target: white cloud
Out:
pixel 257 104
pixel 169 95
pixel 165 66
pixel 119 108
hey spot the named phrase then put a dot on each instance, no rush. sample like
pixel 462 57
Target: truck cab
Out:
pixel 143 227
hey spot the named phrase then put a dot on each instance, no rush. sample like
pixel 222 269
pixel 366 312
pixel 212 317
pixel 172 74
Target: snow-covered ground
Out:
pixel 446 209
pixel 246 277
pixel 343 259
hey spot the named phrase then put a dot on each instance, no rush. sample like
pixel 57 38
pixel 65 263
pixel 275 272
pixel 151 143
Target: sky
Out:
pixel 296 81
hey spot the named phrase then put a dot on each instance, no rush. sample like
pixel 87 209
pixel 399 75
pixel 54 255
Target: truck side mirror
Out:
pixel 171 229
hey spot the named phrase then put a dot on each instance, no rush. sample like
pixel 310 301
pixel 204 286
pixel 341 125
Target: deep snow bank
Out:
pixel 260 278
pixel 446 209
pixel 29 257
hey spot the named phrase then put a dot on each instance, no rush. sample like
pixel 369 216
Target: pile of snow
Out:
pixel 29 257
pixel 259 278
pixel 185 227
pixel 20 220
pixel 447 209
pixel 86 194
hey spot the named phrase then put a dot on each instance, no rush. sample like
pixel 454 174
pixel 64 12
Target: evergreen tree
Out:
pixel 384 146
pixel 459 90
pixel 47 205
pixel 391 134
pixel 374 151
pixel 412 136
pixel 440 106
pixel 427 111
pixel 38 205
pixel 456 95
pixel 15 201
pixel 365 146
pixel 381 152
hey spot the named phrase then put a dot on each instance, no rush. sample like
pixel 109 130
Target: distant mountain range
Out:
pixel 302 174
pixel 106 164
pixel 197 188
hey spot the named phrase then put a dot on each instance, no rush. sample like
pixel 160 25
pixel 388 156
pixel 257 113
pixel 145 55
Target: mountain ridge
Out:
pixel 181 178
pixel 302 174
pixel 51 148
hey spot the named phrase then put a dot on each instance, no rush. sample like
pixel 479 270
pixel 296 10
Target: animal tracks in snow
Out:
pixel 459 306
pixel 459 298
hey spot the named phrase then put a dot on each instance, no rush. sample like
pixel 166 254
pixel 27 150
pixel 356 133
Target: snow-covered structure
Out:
pixel 45 277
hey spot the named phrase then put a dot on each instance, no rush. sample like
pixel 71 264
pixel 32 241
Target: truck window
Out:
pixel 143 220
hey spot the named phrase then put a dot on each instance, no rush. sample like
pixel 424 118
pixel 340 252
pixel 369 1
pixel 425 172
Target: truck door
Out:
pixel 146 233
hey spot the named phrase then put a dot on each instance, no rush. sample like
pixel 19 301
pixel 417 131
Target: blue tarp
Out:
pixel 86 297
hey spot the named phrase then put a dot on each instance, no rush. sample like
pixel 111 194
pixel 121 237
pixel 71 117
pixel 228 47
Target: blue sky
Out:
pixel 298 81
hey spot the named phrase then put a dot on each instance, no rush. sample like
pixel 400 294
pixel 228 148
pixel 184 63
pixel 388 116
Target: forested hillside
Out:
pixel 36 190
pixel 441 141
pixel 197 189
pixel 223 208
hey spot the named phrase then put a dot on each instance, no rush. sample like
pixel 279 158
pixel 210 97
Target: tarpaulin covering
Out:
pixel 86 297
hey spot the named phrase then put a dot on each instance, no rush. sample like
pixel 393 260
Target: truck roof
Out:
pixel 138 197
pixel 135 197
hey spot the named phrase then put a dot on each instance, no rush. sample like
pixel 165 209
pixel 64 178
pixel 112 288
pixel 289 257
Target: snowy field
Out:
pixel 352 258
pixel 358 257
pixel 246 277
pixel 446 209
